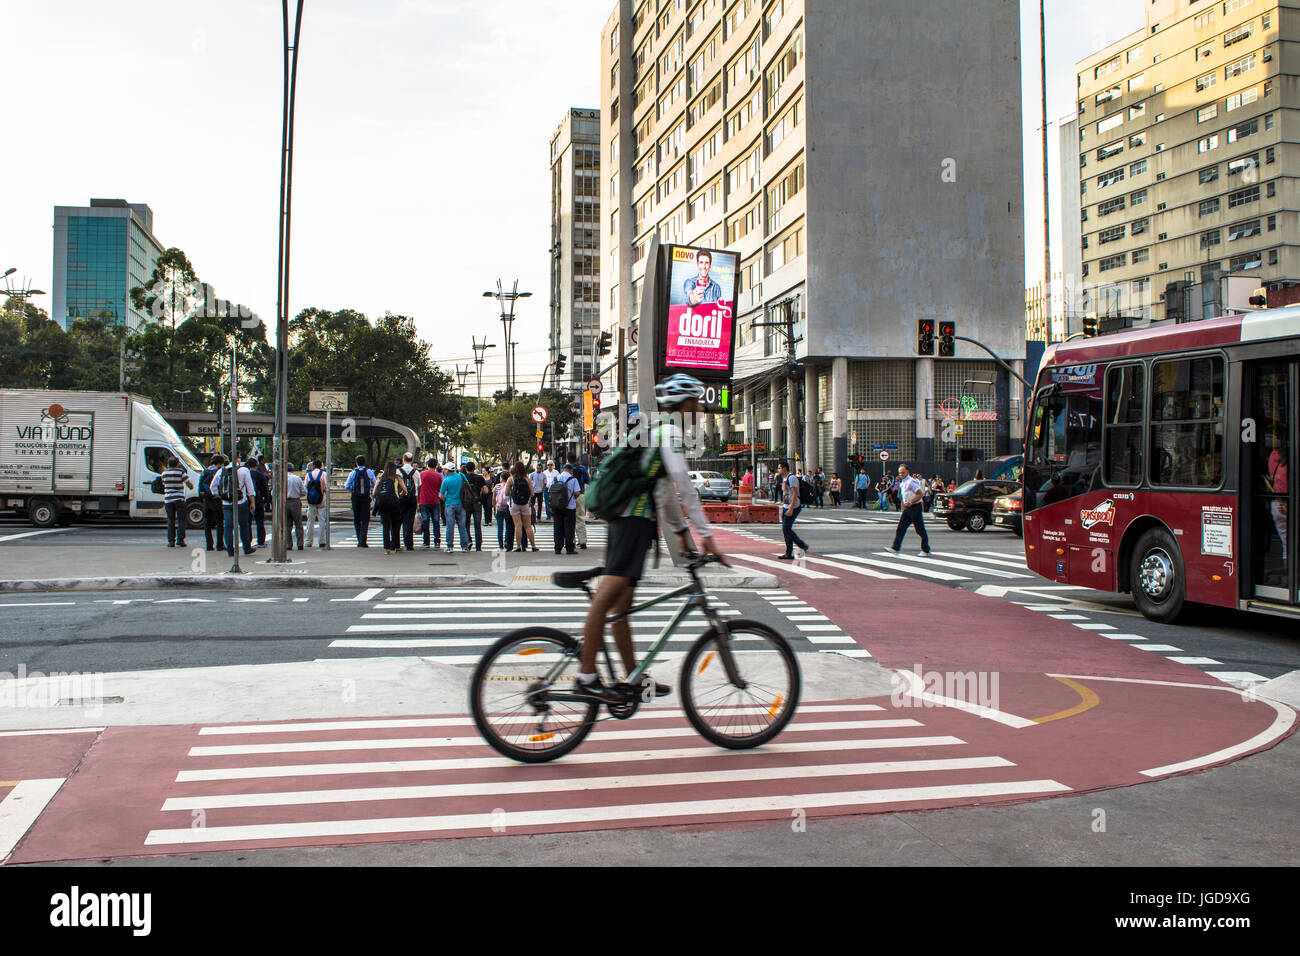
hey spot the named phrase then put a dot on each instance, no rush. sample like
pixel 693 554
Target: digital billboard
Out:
pixel 697 317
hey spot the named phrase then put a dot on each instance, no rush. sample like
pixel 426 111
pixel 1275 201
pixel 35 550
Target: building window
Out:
pixel 1110 122
pixel 1269 155
pixel 1110 205
pixel 1271 190
pixel 1139 226
pixel 1110 235
pixel 1272 257
pixel 1243 196
pixel 1137 139
pixel 1209 174
pixel 1204 20
pixel 1113 262
pixel 1113 176
pixel 1242 130
pixel 785 189
pixel 1231 6
pixel 1138 168
pixel 1268 121
pixel 1135 111
pixel 1084 243
pixel 1137 198
pixel 1245 64
pixel 1205 82
pixel 1110 66
pixel 1137 82
pixel 1243 163
pixel 1203 52
pixel 1207 112
pixel 785 125
pixel 785 250
pixel 1244 230
pixel 1208 207
pixel 1266 22
pixel 1244 98
pixel 1160 147
pixel 1159 176
pixel 1160 206
pixel 1141 255
pixel 1251 260
pixel 1133 54
pixel 1208 143
pixel 1210 239
pixel 1110 149
pixel 1237 35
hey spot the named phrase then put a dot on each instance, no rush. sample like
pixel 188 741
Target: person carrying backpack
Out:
pixel 212 518
pixel 315 482
pixel 410 476
pixel 234 487
pixel 431 503
pixel 562 496
pixel 634 483
pixel 798 492
pixel 389 490
pixel 521 507
pixel 361 483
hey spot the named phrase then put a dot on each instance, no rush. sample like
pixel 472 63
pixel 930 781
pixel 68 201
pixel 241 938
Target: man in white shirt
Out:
pixel 789 485
pixel 296 491
pixel 242 490
pixel 537 480
pixel 911 494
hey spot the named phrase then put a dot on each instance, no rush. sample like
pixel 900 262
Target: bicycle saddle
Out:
pixel 575 579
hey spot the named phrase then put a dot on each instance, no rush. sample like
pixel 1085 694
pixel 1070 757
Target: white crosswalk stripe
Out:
pixel 346 536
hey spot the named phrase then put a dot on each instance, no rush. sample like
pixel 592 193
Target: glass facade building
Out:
pixel 100 253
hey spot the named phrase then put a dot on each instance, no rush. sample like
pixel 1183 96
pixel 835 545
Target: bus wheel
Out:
pixel 1158 581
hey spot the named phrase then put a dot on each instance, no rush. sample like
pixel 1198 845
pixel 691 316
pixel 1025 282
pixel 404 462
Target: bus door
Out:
pixel 1268 488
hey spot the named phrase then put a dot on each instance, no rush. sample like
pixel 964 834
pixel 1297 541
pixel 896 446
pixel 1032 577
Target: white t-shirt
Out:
pixel 792 489
pixel 909 488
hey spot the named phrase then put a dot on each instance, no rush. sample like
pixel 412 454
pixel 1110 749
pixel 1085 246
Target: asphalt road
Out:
pixel 139 630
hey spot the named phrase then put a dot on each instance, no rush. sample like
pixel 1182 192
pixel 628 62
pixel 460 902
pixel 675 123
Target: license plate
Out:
pixel 999 520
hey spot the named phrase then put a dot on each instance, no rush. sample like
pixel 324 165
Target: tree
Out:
pixel 505 429
pixel 171 293
pixel 384 366
pixel 35 352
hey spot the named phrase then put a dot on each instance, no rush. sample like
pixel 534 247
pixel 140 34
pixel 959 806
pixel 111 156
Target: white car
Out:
pixel 711 484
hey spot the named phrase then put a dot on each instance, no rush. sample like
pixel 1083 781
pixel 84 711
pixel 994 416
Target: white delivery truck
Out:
pixel 66 454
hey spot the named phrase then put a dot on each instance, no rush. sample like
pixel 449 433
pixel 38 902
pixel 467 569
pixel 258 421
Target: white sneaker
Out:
pixel 895 550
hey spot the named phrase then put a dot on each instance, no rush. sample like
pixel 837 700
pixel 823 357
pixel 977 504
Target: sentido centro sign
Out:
pixel 696 319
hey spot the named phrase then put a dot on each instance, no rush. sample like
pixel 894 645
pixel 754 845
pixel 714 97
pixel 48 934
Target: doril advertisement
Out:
pixel 700 324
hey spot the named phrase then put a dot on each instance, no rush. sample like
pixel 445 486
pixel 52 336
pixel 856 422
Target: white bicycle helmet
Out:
pixel 678 388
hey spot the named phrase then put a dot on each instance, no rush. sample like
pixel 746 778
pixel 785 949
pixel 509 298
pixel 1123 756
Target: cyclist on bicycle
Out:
pixel 632 534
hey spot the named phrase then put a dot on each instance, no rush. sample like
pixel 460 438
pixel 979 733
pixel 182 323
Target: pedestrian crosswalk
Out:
pixel 311 781
pixel 948 567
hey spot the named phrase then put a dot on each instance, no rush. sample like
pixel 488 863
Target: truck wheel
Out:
pixel 194 514
pixel 1158 579
pixel 43 513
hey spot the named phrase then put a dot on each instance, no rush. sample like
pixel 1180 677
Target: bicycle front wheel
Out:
pixel 740 691
pixel 519 696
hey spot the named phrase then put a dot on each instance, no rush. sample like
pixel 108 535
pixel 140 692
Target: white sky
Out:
pixel 421 142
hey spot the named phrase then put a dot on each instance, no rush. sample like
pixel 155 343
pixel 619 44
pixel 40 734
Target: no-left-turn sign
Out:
pixel 539 414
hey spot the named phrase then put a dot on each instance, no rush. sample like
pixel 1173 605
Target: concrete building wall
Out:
pixel 576 225
pixel 1072 263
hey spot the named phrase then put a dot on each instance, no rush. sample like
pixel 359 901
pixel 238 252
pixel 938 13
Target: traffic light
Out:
pixel 606 343
pixel 1259 298
pixel 924 336
pixel 947 347
pixel 559 364
pixel 540 448
pixel 595 402
pixel 1090 325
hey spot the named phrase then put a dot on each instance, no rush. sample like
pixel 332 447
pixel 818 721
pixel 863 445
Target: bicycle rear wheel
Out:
pixel 745 704
pixel 513 699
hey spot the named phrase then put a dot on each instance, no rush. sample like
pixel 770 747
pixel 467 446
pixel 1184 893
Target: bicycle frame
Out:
pixel 696 597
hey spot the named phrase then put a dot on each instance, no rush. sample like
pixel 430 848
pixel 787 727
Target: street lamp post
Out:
pixel 279 478
pixel 479 349
pixel 182 394
pixel 507 319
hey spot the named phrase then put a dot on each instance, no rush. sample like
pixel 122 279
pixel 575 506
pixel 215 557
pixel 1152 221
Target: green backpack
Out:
pixel 623 477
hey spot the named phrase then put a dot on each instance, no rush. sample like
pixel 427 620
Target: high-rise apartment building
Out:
pixel 863 159
pixel 1183 158
pixel 575 244
pixel 100 252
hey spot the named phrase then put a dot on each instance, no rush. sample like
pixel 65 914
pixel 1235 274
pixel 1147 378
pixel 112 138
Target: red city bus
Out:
pixel 1157 463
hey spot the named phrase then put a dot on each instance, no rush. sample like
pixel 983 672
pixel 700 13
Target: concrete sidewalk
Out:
pixel 77 563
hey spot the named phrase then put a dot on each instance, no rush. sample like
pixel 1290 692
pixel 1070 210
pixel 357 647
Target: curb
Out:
pixel 290 579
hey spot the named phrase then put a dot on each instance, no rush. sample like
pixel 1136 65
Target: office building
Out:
pixel 863 158
pixel 1185 205
pixel 575 244
pixel 100 252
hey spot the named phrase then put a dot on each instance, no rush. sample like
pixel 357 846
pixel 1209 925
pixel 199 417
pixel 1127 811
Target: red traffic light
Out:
pixel 540 448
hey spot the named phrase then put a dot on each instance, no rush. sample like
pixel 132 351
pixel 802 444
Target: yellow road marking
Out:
pixel 1087 701
pixel 9 783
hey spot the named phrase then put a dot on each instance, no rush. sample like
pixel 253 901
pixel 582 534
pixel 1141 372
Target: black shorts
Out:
pixel 626 548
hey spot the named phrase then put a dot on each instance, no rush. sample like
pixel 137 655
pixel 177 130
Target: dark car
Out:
pixel 971 505
pixel 1008 511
